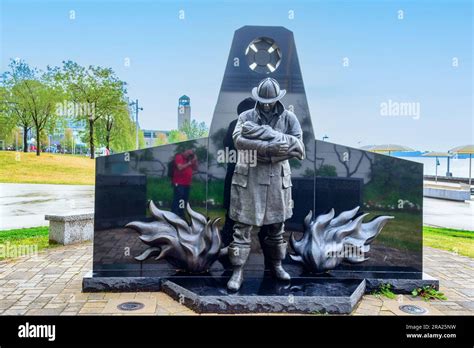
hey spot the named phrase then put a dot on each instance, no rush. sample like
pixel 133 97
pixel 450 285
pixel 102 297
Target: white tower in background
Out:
pixel 184 110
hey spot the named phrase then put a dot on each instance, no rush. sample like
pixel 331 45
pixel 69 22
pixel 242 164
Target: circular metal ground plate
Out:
pixel 412 309
pixel 130 306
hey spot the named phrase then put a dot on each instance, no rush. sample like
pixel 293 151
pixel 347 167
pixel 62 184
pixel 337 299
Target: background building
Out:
pixel 150 136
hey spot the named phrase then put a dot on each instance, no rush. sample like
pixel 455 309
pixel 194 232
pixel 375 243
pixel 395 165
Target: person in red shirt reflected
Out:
pixel 183 166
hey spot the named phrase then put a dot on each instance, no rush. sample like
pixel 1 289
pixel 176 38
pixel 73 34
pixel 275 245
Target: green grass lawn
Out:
pixel 398 232
pixel 25 241
pixel 19 167
pixel 459 241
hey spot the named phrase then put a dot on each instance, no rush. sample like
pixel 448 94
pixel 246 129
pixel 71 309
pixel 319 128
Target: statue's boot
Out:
pixel 238 257
pixel 277 253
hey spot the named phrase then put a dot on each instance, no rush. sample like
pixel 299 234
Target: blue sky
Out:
pixel 407 60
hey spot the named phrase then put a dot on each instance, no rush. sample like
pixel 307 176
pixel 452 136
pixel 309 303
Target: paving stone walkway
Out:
pixel 50 284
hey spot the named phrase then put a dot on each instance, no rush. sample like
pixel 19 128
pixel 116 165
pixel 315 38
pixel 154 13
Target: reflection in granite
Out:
pixel 382 185
pixel 389 186
pixel 266 286
pixel 118 198
pixel 329 240
pixel 125 182
pixel 117 246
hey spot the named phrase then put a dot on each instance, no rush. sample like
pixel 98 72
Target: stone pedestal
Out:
pixel 265 295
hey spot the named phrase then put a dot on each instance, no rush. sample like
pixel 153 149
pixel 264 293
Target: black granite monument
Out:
pixel 143 246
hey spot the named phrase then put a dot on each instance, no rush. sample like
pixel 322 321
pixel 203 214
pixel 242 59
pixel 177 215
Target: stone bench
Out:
pixel 71 228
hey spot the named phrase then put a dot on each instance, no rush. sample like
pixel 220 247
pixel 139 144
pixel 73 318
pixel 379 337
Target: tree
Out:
pixel 176 136
pixel 15 108
pixel 21 115
pixel 32 98
pixel 97 91
pixel 195 130
pixel 43 107
pixel 141 139
pixel 8 137
pixel 161 139
pixel 108 126
pixel 43 139
pixel 117 131
pixel 346 163
pixel 68 140
pixel 114 126
pixel 7 123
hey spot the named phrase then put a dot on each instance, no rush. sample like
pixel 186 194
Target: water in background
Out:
pixel 459 166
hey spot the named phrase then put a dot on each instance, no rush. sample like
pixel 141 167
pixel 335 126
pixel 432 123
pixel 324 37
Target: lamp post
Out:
pixel 470 170
pixel 436 169
pixel 137 108
pixel 448 173
pixel 325 137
